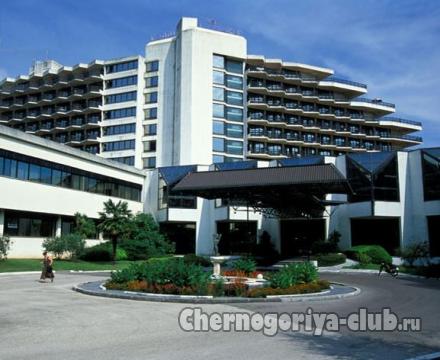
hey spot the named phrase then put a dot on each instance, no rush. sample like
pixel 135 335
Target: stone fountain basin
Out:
pixel 250 282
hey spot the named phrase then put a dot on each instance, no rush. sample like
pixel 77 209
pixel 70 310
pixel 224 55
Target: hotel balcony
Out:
pixel 394 122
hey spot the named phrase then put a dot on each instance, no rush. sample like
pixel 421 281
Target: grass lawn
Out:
pixel 11 265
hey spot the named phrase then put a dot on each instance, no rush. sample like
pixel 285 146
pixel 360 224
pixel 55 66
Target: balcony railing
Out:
pixel 374 101
pixel 399 120
pixel 344 81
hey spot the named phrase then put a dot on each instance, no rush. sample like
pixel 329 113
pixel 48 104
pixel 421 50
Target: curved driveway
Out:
pixel 50 321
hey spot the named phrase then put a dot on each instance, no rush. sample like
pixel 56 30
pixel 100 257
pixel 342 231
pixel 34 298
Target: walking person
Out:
pixel 47 271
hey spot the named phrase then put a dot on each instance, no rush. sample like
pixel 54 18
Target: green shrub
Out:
pixel 144 240
pixel 330 259
pixel 197 260
pixel 103 252
pixel 173 271
pixel 246 265
pixel 71 244
pixel 5 246
pixel 376 252
pixel 293 274
pixel 363 258
pixel 414 252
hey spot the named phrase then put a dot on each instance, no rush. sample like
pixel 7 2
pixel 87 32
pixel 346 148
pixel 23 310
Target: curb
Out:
pixel 370 272
pixel 117 294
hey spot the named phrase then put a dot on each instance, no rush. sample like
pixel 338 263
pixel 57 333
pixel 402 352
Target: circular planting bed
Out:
pixel 178 281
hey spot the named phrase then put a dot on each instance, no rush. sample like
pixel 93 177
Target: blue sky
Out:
pixel 393 46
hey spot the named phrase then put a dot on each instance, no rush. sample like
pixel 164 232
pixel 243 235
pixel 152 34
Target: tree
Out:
pixel 5 246
pixel 84 226
pixel 114 222
pixel 144 239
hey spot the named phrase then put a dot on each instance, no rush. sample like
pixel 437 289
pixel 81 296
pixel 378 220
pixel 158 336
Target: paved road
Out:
pixel 50 321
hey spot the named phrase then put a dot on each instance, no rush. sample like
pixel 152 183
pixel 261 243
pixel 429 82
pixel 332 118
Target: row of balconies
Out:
pixel 322 109
pixel 326 139
pixel 296 75
pixel 292 119
pixel 60 95
pixel 90 136
pixel 50 111
pixel 50 81
pixel 60 124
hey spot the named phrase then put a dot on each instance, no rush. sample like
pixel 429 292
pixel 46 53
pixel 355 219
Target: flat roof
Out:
pixel 67 150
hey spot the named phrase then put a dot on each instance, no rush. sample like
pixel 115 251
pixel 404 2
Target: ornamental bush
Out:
pixel 103 252
pixel 376 252
pixel 5 246
pixel 71 244
pixel 293 274
pixel 246 265
pixel 330 259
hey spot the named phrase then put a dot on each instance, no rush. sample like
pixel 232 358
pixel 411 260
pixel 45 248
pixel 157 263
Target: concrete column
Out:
pixel 58 227
pixel 2 222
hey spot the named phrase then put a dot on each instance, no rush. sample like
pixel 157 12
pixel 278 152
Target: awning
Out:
pixel 173 174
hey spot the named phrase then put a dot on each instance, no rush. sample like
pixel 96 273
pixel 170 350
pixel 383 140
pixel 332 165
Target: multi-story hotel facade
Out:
pixel 197 101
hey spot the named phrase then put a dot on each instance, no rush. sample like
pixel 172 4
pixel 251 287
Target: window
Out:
pixel 431 174
pixel 234 66
pixel 29 224
pixel 120 129
pixel 120 113
pixel 129 65
pixel 127 160
pixel 37 170
pixel 218 144
pixel 218 94
pixel 151 98
pixel 152 66
pixel 234 82
pixel 150 146
pixel 150 129
pixel 118 98
pixel 151 81
pixel 120 82
pixel 218 159
pixel 218 127
pixel 234 98
pixel 218 110
pixel 234 147
pixel 218 61
pixel 151 113
pixel 218 77
pixel 233 130
pixel 149 162
pixel 234 114
pixel 119 145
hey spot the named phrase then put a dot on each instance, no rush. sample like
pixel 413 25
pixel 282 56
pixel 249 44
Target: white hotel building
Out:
pixel 198 98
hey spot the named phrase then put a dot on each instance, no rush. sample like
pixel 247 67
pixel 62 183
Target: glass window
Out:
pixel 149 162
pixel 120 113
pixel 218 159
pixel 56 177
pixel 120 129
pixel 151 113
pixel 218 77
pixel 234 82
pixel 129 65
pixel 46 175
pixel 34 172
pixel 234 147
pixel 218 110
pixel 118 98
pixel 431 175
pixel 152 66
pixel 218 61
pixel 218 94
pixel 234 98
pixel 125 81
pixel 150 146
pixel 233 130
pixel 22 170
pixel 151 81
pixel 234 66
pixel 151 98
pixel 150 129
pixel 234 114
pixel 218 127
pixel 119 145
pixel 218 144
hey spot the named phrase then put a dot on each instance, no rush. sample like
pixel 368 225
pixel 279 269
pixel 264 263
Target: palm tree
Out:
pixel 114 221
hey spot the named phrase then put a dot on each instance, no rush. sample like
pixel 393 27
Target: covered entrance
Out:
pixel 182 234
pixel 297 236
pixel 281 192
pixel 384 231
pixel 238 237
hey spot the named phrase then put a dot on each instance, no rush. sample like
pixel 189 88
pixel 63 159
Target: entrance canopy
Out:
pixel 298 190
